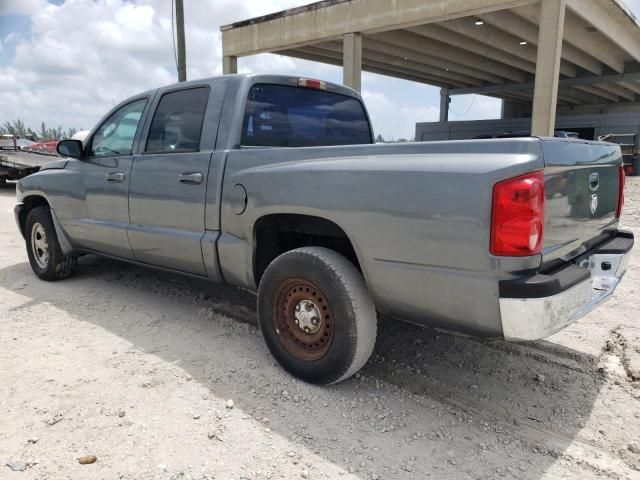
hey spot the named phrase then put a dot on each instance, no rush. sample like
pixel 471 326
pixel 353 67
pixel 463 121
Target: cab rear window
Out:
pixel 284 116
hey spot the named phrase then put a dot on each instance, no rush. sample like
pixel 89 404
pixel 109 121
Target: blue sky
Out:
pixel 67 63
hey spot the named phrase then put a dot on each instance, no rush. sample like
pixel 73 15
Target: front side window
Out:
pixel 286 116
pixel 177 123
pixel 115 136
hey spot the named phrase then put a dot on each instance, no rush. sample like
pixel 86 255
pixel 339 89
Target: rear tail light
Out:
pixel 517 216
pixel 621 181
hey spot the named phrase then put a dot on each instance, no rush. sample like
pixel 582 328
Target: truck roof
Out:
pixel 253 78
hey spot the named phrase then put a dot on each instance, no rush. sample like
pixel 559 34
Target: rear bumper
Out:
pixel 538 306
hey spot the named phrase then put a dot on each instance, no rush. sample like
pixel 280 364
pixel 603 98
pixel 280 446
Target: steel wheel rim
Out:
pixel 39 245
pixel 310 343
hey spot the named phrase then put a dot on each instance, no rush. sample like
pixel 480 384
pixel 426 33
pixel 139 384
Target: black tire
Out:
pixel 41 238
pixel 316 283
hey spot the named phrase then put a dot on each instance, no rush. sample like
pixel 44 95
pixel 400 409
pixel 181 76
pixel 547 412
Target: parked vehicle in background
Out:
pixel 24 143
pixel 18 164
pixel 630 147
pixel 16 159
pixel 8 142
pixel 44 147
pixel 272 183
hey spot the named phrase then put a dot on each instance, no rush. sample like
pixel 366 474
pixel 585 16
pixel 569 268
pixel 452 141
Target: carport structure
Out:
pixel 533 54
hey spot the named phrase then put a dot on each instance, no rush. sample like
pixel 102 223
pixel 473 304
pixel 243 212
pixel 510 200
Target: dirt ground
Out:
pixel 137 368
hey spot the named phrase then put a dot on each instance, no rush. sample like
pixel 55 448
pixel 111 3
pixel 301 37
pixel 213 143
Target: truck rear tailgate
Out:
pixel 581 196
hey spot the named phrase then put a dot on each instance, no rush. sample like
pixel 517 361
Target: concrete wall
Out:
pixel 601 124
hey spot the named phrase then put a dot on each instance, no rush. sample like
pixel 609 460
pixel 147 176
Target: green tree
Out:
pixel 20 129
pixel 17 128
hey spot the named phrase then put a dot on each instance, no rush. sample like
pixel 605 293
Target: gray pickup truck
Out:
pixel 272 183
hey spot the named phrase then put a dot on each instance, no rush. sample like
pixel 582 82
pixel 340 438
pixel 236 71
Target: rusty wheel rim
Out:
pixel 302 319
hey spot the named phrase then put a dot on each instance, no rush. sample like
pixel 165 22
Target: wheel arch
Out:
pixel 30 202
pixel 277 233
pixel 35 200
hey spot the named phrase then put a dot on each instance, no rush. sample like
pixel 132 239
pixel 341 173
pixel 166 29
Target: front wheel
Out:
pixel 45 256
pixel 316 316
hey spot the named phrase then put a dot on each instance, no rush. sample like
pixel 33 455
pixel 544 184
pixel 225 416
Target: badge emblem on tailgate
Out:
pixel 594 203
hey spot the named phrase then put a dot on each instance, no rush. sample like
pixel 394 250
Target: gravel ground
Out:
pixel 162 377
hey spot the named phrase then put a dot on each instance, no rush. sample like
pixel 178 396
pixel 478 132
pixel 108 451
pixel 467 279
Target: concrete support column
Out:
pixel 545 92
pixel 229 64
pixel 352 60
pixel 445 100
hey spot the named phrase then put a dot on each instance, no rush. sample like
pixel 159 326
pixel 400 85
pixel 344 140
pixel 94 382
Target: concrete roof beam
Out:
pixel 618 90
pixel 521 28
pixel 598 92
pixel 402 62
pixel 319 55
pixel 490 42
pixel 401 50
pixel 633 86
pixel 574 33
pixel 597 17
pixel 322 21
pixel 442 50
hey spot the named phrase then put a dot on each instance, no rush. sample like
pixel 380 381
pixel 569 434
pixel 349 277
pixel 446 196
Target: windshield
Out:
pixel 283 116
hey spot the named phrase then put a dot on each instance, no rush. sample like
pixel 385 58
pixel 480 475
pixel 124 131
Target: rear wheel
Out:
pixel 45 256
pixel 316 315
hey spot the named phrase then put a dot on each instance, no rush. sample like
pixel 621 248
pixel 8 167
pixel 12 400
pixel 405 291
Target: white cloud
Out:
pixel 393 120
pixel 474 107
pixel 21 7
pixel 70 72
pixel 11 37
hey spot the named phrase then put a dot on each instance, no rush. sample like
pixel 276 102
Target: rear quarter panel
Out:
pixel 418 216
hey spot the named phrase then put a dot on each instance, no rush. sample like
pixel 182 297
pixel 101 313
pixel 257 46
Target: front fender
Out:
pixel 55 164
pixel 48 187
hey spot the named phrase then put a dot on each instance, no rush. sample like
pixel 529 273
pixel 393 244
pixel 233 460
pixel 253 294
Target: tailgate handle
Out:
pixel 594 181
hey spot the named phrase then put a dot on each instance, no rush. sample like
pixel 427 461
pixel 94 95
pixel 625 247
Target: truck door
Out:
pixel 98 216
pixel 169 179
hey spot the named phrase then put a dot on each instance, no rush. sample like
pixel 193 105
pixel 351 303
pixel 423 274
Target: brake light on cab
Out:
pixel 311 83
pixel 621 182
pixel 517 216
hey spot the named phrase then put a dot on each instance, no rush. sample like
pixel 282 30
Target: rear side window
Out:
pixel 177 123
pixel 283 116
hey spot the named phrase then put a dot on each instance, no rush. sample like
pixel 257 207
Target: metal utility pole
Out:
pixel 182 58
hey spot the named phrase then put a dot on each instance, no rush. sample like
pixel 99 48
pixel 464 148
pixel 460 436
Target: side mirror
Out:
pixel 70 148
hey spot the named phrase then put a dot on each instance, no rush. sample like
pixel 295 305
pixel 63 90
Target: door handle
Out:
pixel 114 177
pixel 191 178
